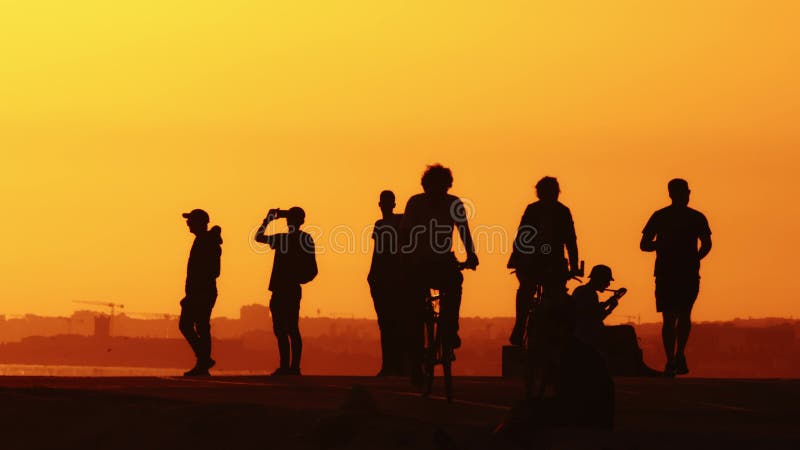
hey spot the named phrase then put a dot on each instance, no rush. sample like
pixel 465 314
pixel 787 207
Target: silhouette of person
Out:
pixel 428 258
pixel 201 289
pixel 673 233
pixel 590 311
pixel 294 264
pixel 386 286
pixel 545 230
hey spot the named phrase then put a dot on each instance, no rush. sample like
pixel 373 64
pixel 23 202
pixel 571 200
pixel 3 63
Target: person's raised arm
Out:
pixel 260 233
pixel 608 306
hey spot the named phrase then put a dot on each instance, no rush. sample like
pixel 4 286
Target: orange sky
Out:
pixel 115 119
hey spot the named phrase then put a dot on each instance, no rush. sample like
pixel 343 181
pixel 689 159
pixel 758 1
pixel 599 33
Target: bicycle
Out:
pixel 544 328
pixel 437 351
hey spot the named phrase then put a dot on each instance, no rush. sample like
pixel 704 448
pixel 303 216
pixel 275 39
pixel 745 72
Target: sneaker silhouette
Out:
pixel 281 371
pixel 669 369
pixel 197 372
pixel 680 365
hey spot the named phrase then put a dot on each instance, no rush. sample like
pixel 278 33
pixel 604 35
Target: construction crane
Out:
pixel 111 305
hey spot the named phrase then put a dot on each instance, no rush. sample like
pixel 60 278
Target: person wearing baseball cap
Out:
pixel 295 264
pixel 589 310
pixel 201 289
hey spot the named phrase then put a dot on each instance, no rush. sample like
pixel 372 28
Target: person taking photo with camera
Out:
pixel 295 264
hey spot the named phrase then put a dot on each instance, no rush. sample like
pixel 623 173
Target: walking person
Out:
pixel 201 289
pixel 673 233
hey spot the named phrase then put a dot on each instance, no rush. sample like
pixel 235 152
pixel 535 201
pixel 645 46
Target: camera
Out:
pixel 277 213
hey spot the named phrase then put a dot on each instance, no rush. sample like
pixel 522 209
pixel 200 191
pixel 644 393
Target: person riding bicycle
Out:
pixel 428 258
pixel 545 230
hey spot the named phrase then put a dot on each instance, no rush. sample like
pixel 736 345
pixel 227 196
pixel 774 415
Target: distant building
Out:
pixel 254 317
pixel 102 327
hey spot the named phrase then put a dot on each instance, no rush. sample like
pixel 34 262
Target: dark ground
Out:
pixel 306 413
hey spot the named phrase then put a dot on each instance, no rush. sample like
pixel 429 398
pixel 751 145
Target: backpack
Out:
pixel 306 260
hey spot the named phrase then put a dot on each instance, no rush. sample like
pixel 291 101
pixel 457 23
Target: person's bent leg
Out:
pixel 689 290
pixel 683 328
pixel 524 298
pixel 186 324
pixel 203 328
pixel 450 307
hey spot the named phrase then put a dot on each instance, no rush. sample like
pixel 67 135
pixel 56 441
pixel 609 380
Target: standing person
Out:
pixel 428 259
pixel 673 233
pixel 201 289
pixel 294 264
pixel 545 231
pixel 385 285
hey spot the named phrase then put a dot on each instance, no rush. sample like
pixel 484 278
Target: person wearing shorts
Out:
pixel 294 265
pixel 673 233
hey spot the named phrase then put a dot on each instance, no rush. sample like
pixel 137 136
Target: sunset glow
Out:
pixel 116 119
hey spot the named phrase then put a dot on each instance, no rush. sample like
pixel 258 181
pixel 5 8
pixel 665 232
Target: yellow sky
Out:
pixel 115 119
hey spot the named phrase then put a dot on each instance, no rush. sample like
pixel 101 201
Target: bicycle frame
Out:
pixel 540 338
pixel 437 350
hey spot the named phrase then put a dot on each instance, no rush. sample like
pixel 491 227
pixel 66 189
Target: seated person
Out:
pixel 590 311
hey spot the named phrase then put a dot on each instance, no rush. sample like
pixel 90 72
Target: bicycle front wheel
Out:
pixel 429 362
